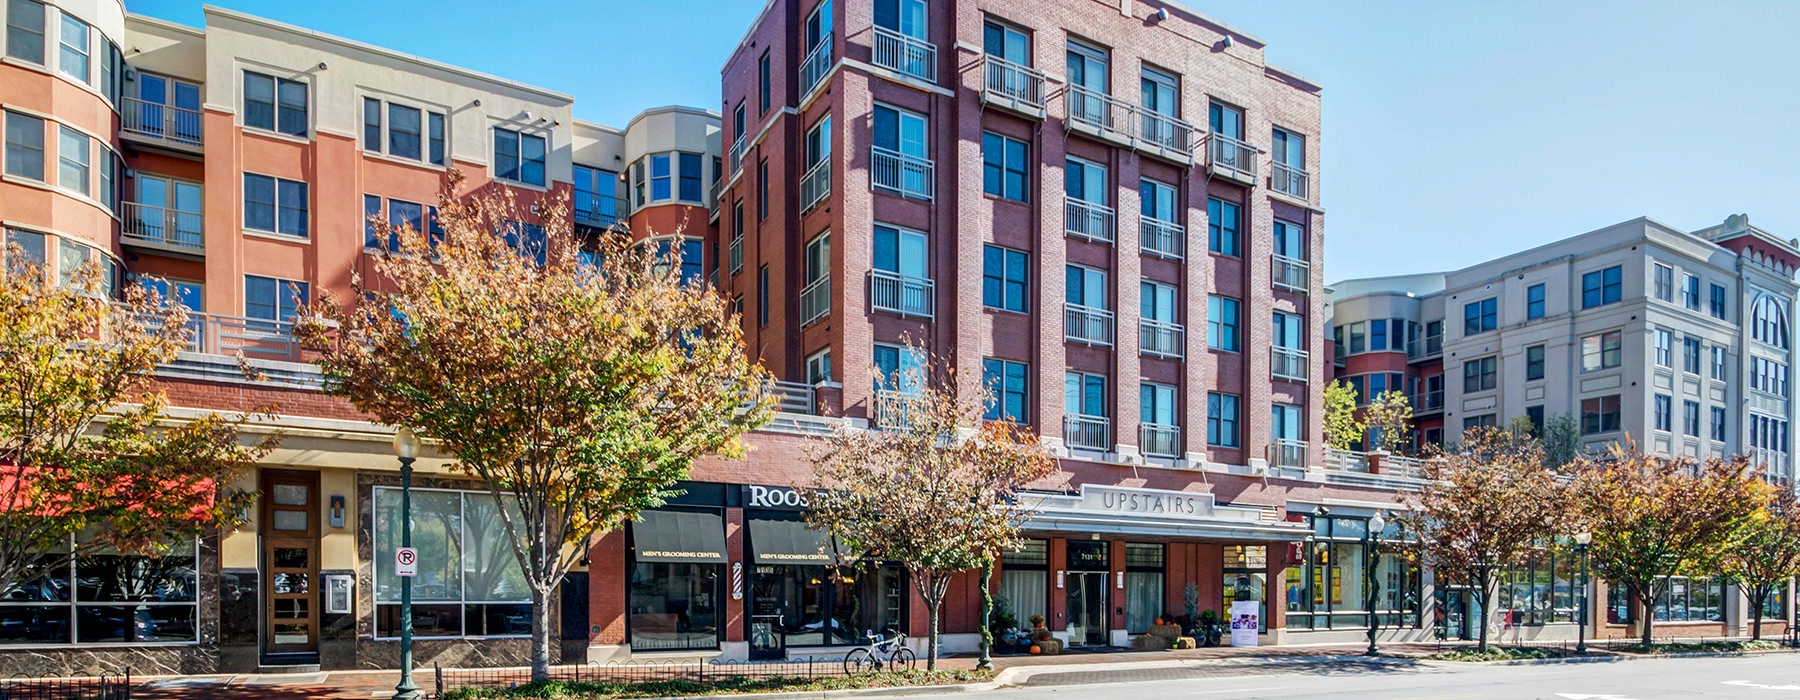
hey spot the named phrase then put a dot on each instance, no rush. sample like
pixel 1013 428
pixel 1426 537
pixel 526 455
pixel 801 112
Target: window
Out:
pixel 902 150
pixel 1769 376
pixel 1690 354
pixel 412 133
pixel 1481 316
pixel 1222 323
pixel 400 215
pixel 661 178
pixel 1157 92
pixel 1535 414
pixel 1600 287
pixel 477 587
pixel 74 49
pixel 1378 335
pixel 1543 588
pixel 1290 240
pixel 1479 374
pixel 1768 321
pixel 1534 362
pixel 271 299
pixel 637 184
pixel 1690 292
pixel 1601 351
pixel 434 138
pixel 1226 121
pixel 103 596
pixel 1156 302
pixel 762 296
pixel 818 27
pixel 762 85
pixel 1085 286
pixel 762 189
pixel 404 132
pixel 1717 306
pixel 1718 362
pixel 275 205
pixel 1769 432
pixel 519 157
pixel 597 198
pixel 1003 278
pixel 74 161
pixel 1663 410
pixel 1006 43
pixel 1289 329
pixel 1008 382
pixel 371 124
pixel 1664 282
pixel 25 30
pixel 1718 423
pixel 1289 148
pixel 692 175
pixel 1359 337
pixel 1222 223
pixel 1003 166
pixel 1665 351
pixel 275 104
pixel 1534 302
pixel 1685 599
pixel 24 145
pixel 1085 181
pixel 31 242
pixel 901 251
pixel 1087 70
pixel 1156 406
pixel 1222 419
pixel 818 367
pixel 1690 418
pixel 1486 420
pixel 1600 415
pixel 1084 394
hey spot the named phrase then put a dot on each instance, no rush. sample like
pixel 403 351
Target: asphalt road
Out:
pixel 1764 677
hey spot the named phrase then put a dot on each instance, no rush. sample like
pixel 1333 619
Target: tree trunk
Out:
pixel 987 612
pixel 1646 604
pixel 540 635
pixel 1758 596
pixel 931 647
pixel 1481 579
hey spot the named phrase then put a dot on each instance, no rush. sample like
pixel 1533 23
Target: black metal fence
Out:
pixel 105 687
pixel 448 679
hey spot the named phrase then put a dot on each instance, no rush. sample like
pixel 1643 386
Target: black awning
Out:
pixel 679 536
pixel 789 542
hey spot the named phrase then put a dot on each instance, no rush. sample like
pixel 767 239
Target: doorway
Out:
pixel 290 562
pixel 1457 608
pixel 1087 608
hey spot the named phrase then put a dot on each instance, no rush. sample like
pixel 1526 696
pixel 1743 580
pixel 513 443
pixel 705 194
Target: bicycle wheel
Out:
pixel 858 661
pixel 903 660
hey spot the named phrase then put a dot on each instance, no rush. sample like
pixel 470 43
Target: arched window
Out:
pixel 1769 322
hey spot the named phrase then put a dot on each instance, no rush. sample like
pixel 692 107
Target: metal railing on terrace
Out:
pixel 1289 364
pixel 1164 132
pixel 815 301
pixel 1231 157
pixel 602 211
pixel 1161 238
pixel 1289 180
pixel 815 185
pixel 1161 338
pixel 737 153
pixel 1291 454
pixel 816 64
pixel 1159 440
pixel 1011 84
pixel 1084 219
pixel 160 122
pixel 1292 274
pixel 901 294
pixel 169 227
pixel 1086 432
pixel 736 252
pixel 902 174
pixel 904 54
pixel 893 407
pixel 1086 324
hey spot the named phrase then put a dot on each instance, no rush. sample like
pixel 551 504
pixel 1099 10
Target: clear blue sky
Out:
pixel 1454 131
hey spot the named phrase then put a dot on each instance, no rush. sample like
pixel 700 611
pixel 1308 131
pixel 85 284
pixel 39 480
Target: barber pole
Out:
pixel 737 580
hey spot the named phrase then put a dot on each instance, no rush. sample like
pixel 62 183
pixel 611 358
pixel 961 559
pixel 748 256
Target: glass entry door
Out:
pixel 1088 622
pixel 290 559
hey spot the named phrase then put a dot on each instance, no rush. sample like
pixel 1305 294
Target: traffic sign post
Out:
pixel 406 562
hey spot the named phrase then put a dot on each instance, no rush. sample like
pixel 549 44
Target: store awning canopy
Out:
pixel 790 542
pixel 679 537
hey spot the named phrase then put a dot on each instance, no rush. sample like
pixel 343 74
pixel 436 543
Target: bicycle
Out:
pixel 869 657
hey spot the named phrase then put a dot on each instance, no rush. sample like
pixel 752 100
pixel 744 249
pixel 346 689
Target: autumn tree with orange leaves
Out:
pixel 86 441
pixel 1766 554
pixel 577 379
pixel 936 489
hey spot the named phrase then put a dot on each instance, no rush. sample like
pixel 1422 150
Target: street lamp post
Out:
pixel 1581 545
pixel 406 447
pixel 1373 548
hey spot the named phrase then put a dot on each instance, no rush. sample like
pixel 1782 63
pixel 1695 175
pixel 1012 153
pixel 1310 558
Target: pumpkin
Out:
pixel 1159 622
pixel 1035 649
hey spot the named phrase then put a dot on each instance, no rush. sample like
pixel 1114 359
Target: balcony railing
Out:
pixel 1161 338
pixel 1289 180
pixel 1292 454
pixel 794 397
pixel 1431 347
pixel 1232 158
pixel 901 294
pixel 1165 132
pixel 816 65
pixel 1428 401
pixel 1158 440
pixel 1346 460
pixel 901 174
pixel 737 153
pixel 602 211
pixel 1289 364
pixel 164 226
pixel 815 301
pixel 1290 273
pixel 1161 238
pixel 736 251
pixel 217 334
pixel 1086 324
pixel 815 186
pixel 1083 219
pixel 160 122
pixel 1011 84
pixel 1086 432
pixel 1099 111
pixel 893 407
pixel 899 52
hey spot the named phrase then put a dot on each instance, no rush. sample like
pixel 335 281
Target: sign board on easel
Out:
pixel 1245 621
pixel 406 561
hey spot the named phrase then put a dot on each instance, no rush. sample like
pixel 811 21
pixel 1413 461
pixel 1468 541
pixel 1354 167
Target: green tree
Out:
pixel 1654 517
pixel 1343 429
pixel 85 444
pixel 940 492
pixel 1766 553
pixel 578 392
pixel 1388 418
pixel 1562 441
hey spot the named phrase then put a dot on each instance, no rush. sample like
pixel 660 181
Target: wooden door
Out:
pixel 290 558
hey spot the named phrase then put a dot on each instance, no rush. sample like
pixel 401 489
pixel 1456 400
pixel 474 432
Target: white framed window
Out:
pixel 75 52
pixel 74 161
pixel 818 367
pixel 24 146
pixel 275 205
pixel 275 104
pixel 25 30
pixel 404 131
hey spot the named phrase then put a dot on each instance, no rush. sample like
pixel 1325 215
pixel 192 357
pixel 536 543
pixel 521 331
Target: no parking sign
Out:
pixel 406 561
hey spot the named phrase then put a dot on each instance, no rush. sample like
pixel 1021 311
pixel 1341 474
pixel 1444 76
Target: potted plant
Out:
pixel 1004 626
pixel 1208 630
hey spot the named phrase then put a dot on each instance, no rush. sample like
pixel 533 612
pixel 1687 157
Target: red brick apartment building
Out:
pixel 1111 208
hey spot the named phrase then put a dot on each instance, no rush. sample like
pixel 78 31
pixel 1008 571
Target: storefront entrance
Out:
pixel 1086 587
pixel 676 581
pixel 1457 609
pixel 290 558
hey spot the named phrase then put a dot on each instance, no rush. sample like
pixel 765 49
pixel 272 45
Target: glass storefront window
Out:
pixel 469 582
pixel 823 605
pixel 1691 599
pixel 1246 578
pixel 674 605
pixel 1544 590
pixel 1025 581
pixel 1327 590
pixel 1775 607
pixel 1143 586
pixel 103 597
